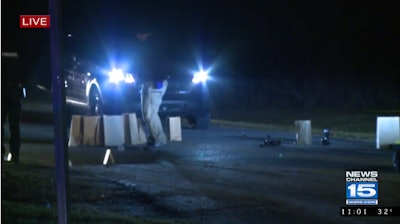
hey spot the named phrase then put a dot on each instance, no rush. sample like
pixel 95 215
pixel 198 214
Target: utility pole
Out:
pixel 58 91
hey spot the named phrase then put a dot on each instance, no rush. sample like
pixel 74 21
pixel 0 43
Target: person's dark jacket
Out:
pixel 153 61
pixel 13 67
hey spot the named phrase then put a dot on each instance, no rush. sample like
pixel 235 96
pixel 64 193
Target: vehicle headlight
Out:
pixel 117 75
pixel 200 76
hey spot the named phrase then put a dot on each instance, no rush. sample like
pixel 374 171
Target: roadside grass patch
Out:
pixel 342 124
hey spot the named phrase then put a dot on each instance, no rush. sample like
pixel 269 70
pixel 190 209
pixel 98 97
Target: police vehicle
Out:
pixel 109 90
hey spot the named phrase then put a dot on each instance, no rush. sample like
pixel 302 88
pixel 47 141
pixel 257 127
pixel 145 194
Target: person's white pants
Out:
pixel 151 101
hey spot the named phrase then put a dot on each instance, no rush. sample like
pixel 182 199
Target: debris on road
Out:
pixel 326 139
pixel 270 142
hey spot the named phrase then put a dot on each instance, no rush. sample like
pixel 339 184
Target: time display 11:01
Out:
pixel 370 211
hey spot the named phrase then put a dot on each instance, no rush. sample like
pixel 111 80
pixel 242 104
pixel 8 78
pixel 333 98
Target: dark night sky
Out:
pixel 244 37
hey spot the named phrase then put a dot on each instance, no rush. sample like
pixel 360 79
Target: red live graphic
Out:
pixel 34 21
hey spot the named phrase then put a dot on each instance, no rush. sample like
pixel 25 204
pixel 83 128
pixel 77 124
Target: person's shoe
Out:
pixel 150 142
pixel 159 144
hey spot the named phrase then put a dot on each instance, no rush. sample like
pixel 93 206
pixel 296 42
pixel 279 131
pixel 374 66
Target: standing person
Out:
pixel 12 78
pixel 153 66
pixel 151 99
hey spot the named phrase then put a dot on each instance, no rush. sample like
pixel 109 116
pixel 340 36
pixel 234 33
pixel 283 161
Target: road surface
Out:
pixel 221 176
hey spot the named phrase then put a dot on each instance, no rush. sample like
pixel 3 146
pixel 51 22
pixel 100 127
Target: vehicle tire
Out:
pixel 200 122
pixel 396 161
pixel 95 103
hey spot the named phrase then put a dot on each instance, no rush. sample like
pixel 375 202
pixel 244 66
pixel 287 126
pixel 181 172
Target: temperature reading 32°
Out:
pixel 385 211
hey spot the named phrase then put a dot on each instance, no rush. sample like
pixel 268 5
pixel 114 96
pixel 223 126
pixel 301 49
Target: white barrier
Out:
pixel 76 131
pixel 387 131
pixel 114 130
pixel 303 132
pixel 108 130
pixel 134 134
pixel 175 129
pixel 92 131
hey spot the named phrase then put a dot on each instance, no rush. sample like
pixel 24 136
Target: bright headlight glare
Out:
pixel 117 75
pixel 201 76
pixel 129 78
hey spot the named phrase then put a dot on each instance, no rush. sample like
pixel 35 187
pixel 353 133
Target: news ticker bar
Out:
pixel 369 211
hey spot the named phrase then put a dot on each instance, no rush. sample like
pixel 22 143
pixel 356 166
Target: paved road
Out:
pixel 219 176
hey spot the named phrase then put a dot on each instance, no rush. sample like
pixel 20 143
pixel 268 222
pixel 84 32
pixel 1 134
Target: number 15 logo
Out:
pixel 361 190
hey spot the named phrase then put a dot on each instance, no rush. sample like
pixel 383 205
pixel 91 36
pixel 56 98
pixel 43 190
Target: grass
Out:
pixel 342 124
pixel 29 196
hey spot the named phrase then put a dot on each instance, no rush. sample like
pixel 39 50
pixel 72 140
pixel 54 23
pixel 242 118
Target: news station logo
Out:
pixel 34 21
pixel 361 187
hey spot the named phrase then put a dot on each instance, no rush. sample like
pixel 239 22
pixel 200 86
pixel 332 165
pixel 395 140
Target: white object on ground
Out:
pixel 92 131
pixel 76 131
pixel 387 131
pixel 114 130
pixel 134 133
pixel 175 129
pixel 303 132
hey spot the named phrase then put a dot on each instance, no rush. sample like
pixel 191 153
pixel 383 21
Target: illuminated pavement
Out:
pixel 219 176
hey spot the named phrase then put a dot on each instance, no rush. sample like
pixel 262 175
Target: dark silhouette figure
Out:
pixel 12 79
